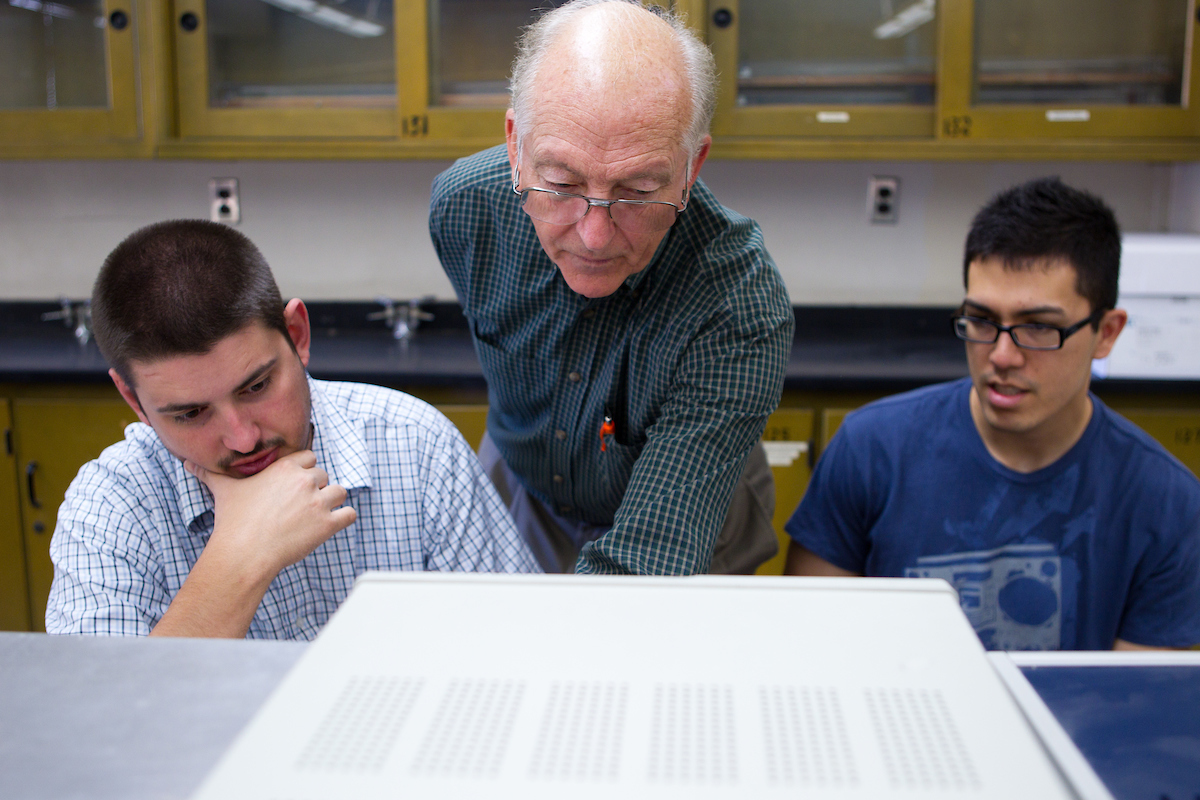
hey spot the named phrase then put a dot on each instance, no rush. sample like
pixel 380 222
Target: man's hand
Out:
pixel 263 523
pixel 280 515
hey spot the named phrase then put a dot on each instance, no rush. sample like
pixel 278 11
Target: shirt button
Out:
pixel 574 377
pixel 589 313
pixel 565 509
pixel 558 478
pixel 560 435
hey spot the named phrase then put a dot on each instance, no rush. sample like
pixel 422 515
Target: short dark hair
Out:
pixel 178 288
pixel 1046 219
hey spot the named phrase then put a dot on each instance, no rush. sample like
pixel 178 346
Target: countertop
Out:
pixel 125 718
pixel 835 348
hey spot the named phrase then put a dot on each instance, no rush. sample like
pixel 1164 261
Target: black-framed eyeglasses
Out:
pixel 1027 335
pixel 565 208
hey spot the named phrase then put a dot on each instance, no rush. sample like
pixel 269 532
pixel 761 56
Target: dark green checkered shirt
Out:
pixel 687 357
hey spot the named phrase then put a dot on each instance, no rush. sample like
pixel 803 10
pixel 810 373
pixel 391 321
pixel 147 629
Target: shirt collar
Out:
pixel 338 442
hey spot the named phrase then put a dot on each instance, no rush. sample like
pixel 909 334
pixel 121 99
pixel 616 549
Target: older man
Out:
pixel 633 332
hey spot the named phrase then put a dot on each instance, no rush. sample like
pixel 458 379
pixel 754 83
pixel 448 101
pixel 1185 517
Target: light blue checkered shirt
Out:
pixel 134 521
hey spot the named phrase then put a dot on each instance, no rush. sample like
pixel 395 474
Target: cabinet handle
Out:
pixel 189 22
pixel 722 18
pixel 31 468
pixel 118 19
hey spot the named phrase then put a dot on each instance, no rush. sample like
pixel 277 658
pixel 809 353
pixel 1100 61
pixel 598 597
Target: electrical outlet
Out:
pixel 223 199
pixel 883 199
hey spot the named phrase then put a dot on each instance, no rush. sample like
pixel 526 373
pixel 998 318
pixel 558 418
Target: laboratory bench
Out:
pixel 58 408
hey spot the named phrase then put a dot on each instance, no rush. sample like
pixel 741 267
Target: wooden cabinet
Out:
pixel 1068 69
pixel 1176 429
pixel 457 57
pixel 821 69
pixel 14 583
pixel 286 70
pixel 968 79
pixel 955 78
pixel 53 438
pixel 77 79
pixel 788 440
pixel 471 421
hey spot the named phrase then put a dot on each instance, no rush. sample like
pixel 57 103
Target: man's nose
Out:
pixel 241 433
pixel 1005 353
pixel 596 228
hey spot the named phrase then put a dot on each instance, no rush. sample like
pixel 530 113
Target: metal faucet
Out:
pixel 77 315
pixel 403 317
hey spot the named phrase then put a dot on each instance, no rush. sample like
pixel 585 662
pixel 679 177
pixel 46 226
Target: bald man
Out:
pixel 633 332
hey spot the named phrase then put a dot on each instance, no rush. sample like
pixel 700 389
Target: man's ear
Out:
pixel 510 137
pixel 295 314
pixel 699 158
pixel 1111 325
pixel 129 395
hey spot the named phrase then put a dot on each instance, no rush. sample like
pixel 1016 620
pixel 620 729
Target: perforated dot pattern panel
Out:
pixel 804 737
pixel 581 732
pixel 470 732
pixel 358 732
pixel 920 744
pixel 693 738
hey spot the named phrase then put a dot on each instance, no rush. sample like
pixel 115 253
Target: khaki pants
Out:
pixel 746 540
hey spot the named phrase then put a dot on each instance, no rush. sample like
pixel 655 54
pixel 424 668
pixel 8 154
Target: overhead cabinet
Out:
pixel 286 68
pixel 1068 69
pixel 962 70
pixel 70 72
pixel 924 79
pixel 823 68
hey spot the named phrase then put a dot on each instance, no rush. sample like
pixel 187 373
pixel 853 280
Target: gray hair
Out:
pixel 699 68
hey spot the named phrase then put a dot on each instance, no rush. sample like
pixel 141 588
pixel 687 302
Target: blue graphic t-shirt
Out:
pixel 1103 544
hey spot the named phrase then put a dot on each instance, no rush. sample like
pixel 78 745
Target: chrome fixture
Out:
pixel 76 315
pixel 402 316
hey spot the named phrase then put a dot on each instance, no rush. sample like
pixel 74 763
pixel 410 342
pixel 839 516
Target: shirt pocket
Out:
pixel 616 464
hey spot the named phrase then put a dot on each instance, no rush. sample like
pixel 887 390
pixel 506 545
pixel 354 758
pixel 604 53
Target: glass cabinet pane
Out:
pixel 472 44
pixel 301 53
pixel 52 55
pixel 836 52
pixel 1085 52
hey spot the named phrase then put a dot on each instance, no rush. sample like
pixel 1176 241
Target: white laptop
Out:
pixel 431 685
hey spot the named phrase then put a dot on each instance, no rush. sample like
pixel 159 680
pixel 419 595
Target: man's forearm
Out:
pixel 218 599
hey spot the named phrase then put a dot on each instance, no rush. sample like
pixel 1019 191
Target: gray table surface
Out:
pixel 84 717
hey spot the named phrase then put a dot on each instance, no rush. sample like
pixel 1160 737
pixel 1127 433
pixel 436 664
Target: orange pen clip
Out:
pixel 607 428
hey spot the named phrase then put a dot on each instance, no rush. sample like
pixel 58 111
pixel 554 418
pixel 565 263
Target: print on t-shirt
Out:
pixel 1012 595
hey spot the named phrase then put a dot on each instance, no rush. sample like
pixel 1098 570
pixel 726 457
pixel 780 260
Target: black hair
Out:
pixel 1045 220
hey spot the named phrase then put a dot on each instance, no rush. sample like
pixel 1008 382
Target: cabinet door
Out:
pixel 788 440
pixel 824 68
pixel 285 68
pixel 471 421
pixel 1062 69
pixel 455 60
pixel 14 587
pixel 69 72
pixel 54 438
pixel 1176 430
pixel 831 420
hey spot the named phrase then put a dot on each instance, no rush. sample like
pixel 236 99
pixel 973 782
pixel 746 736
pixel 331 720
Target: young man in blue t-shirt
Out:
pixel 1060 524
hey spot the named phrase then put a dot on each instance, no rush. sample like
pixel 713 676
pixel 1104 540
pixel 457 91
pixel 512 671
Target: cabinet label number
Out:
pixel 416 125
pixel 956 127
pixel 779 433
pixel 1186 436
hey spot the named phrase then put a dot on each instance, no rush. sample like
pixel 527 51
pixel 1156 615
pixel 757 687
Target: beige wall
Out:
pixel 353 230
